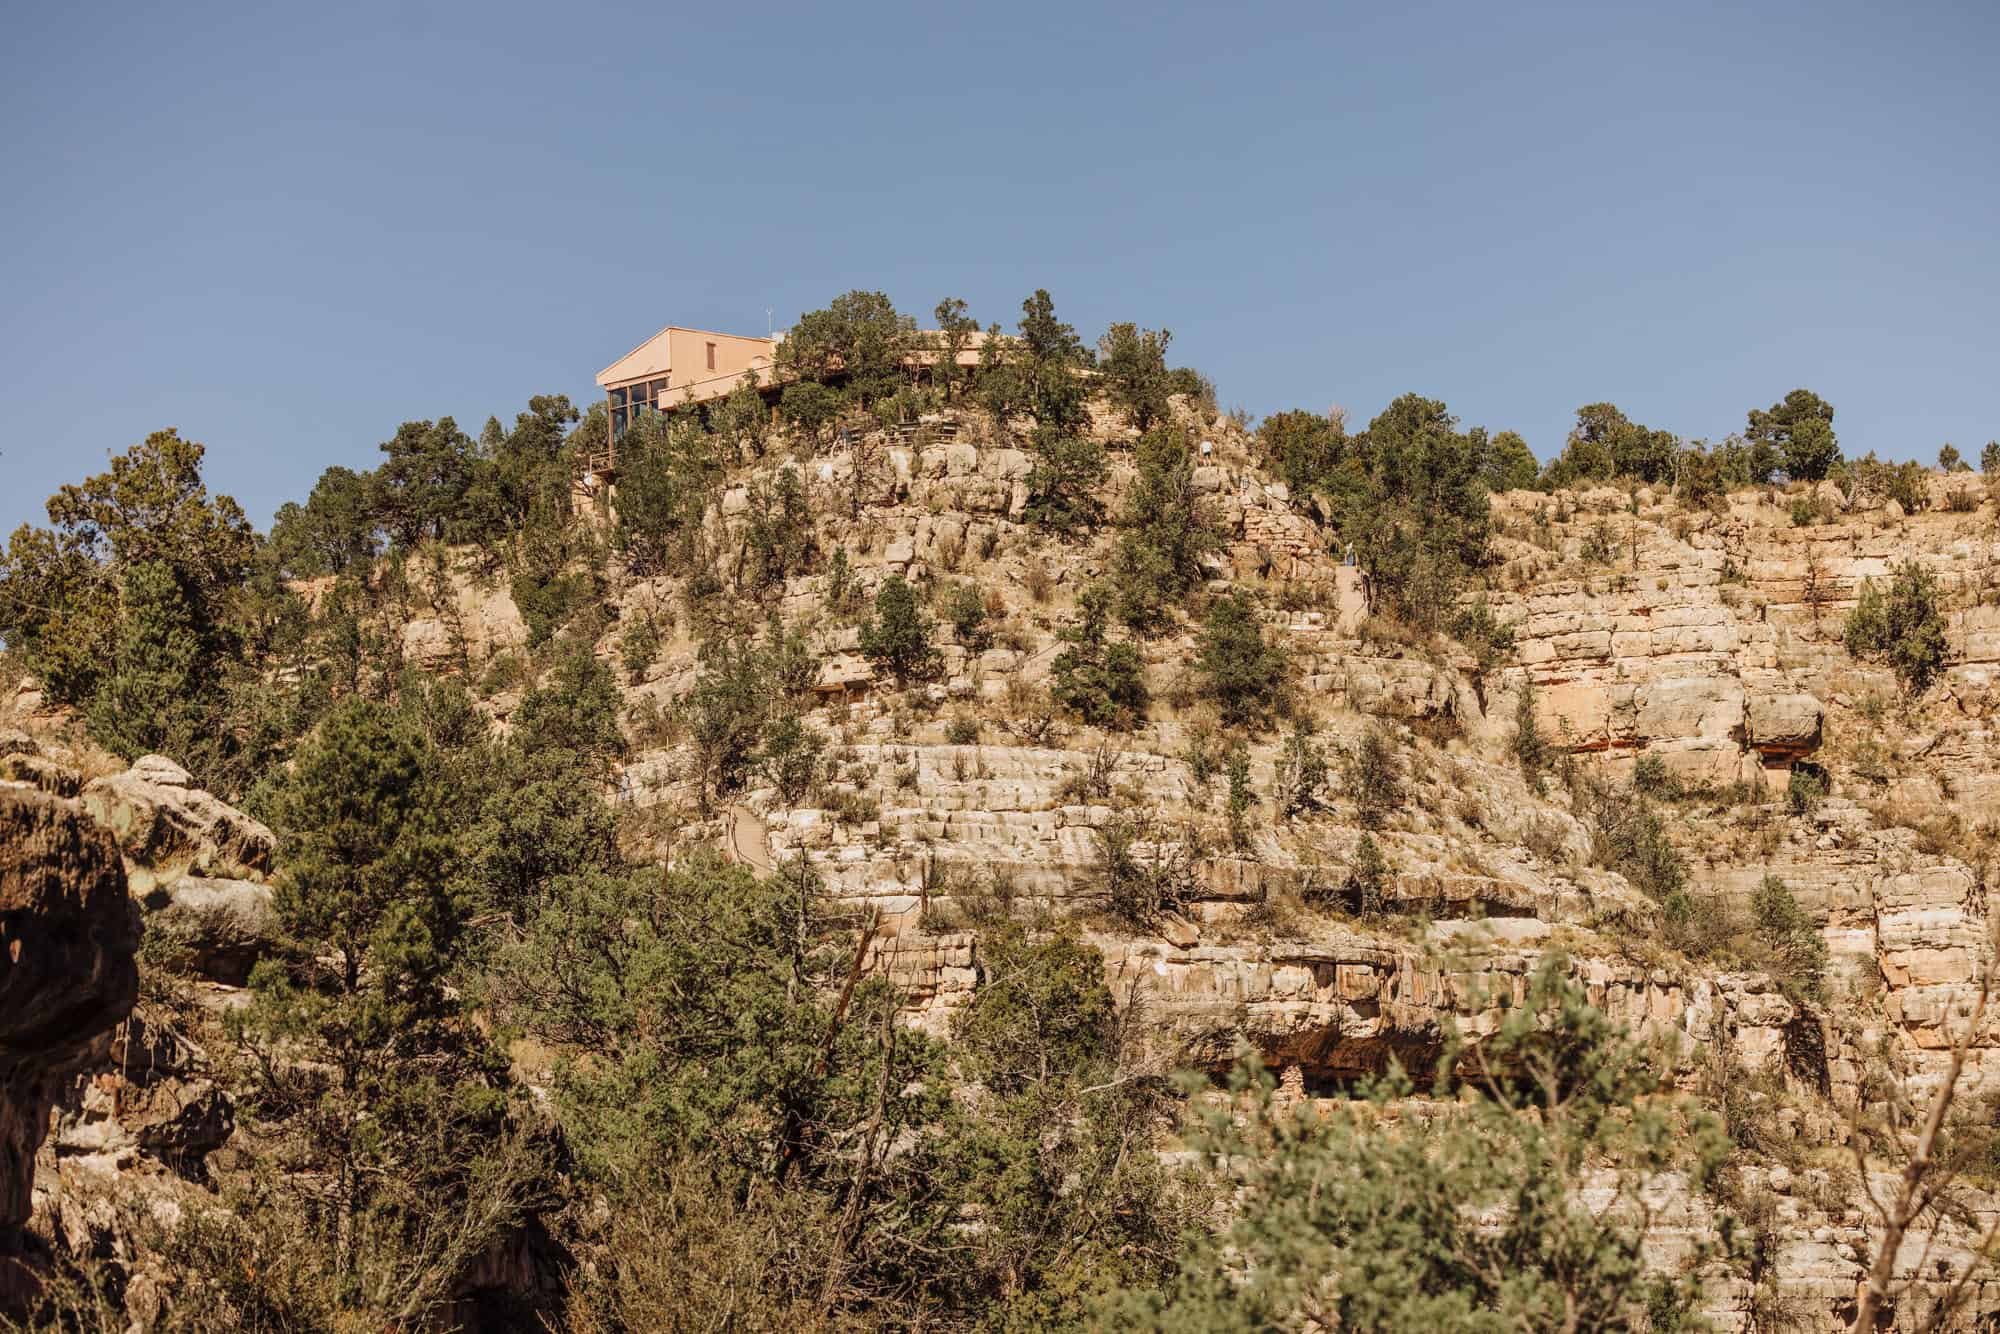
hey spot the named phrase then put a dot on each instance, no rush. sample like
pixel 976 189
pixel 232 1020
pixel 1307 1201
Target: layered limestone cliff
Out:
pixel 1707 639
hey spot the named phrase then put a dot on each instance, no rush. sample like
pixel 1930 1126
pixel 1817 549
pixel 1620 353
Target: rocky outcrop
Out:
pixel 148 1091
pixel 1341 1004
pixel 68 973
pixel 461 624
pixel 167 828
pixel 138 1105
pixel 23 761
pixel 1784 724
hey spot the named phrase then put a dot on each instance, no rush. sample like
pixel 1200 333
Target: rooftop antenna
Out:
pixel 767 322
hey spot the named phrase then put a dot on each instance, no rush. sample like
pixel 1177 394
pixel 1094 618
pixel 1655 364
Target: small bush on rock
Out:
pixel 1491 641
pixel 1302 771
pixel 1140 883
pixel 964 608
pixel 1905 626
pixel 790 757
pixel 1651 777
pixel 1805 790
pixel 897 638
pixel 1794 950
pixel 1368 878
pixel 1532 750
pixel 1168 529
pixel 1240 671
pixel 1374 774
pixel 1241 798
pixel 1101 682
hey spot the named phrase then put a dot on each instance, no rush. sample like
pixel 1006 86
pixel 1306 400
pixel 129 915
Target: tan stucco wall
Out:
pixel 734 355
pixel 680 356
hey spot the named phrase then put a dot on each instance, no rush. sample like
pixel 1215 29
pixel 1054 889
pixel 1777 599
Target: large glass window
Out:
pixel 629 403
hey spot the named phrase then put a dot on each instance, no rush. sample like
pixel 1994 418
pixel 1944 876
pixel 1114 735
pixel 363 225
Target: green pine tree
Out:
pixel 1240 671
pixel 897 638
pixel 1102 682
pixel 362 1055
pixel 159 693
pixel 1168 530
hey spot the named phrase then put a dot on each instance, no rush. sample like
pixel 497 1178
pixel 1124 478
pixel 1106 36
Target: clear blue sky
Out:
pixel 287 228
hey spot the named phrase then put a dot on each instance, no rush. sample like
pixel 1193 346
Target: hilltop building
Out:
pixel 679 366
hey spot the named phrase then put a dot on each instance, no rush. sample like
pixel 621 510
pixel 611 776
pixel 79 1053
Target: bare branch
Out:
pixel 1916 1186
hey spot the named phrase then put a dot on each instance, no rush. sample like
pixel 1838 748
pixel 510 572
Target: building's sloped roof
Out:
pixel 650 357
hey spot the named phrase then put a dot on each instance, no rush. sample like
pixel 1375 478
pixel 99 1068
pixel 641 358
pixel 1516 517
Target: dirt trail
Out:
pixel 747 839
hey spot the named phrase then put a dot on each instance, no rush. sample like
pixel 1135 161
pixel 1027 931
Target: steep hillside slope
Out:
pixel 1378 858
pixel 1704 638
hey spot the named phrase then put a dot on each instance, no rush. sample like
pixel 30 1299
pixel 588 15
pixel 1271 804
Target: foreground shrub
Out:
pixel 1357 1216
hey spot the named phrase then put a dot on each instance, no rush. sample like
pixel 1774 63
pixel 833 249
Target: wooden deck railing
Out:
pixel 920 434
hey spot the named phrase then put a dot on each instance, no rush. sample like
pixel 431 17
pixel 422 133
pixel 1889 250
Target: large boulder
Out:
pixel 67 974
pixel 213 928
pixel 1787 724
pixel 168 828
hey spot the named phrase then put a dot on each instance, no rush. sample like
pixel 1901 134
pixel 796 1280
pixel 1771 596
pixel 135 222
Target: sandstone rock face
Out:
pixel 23 761
pixel 138 1109
pixel 1342 1005
pixel 147 1092
pixel 68 973
pixel 461 624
